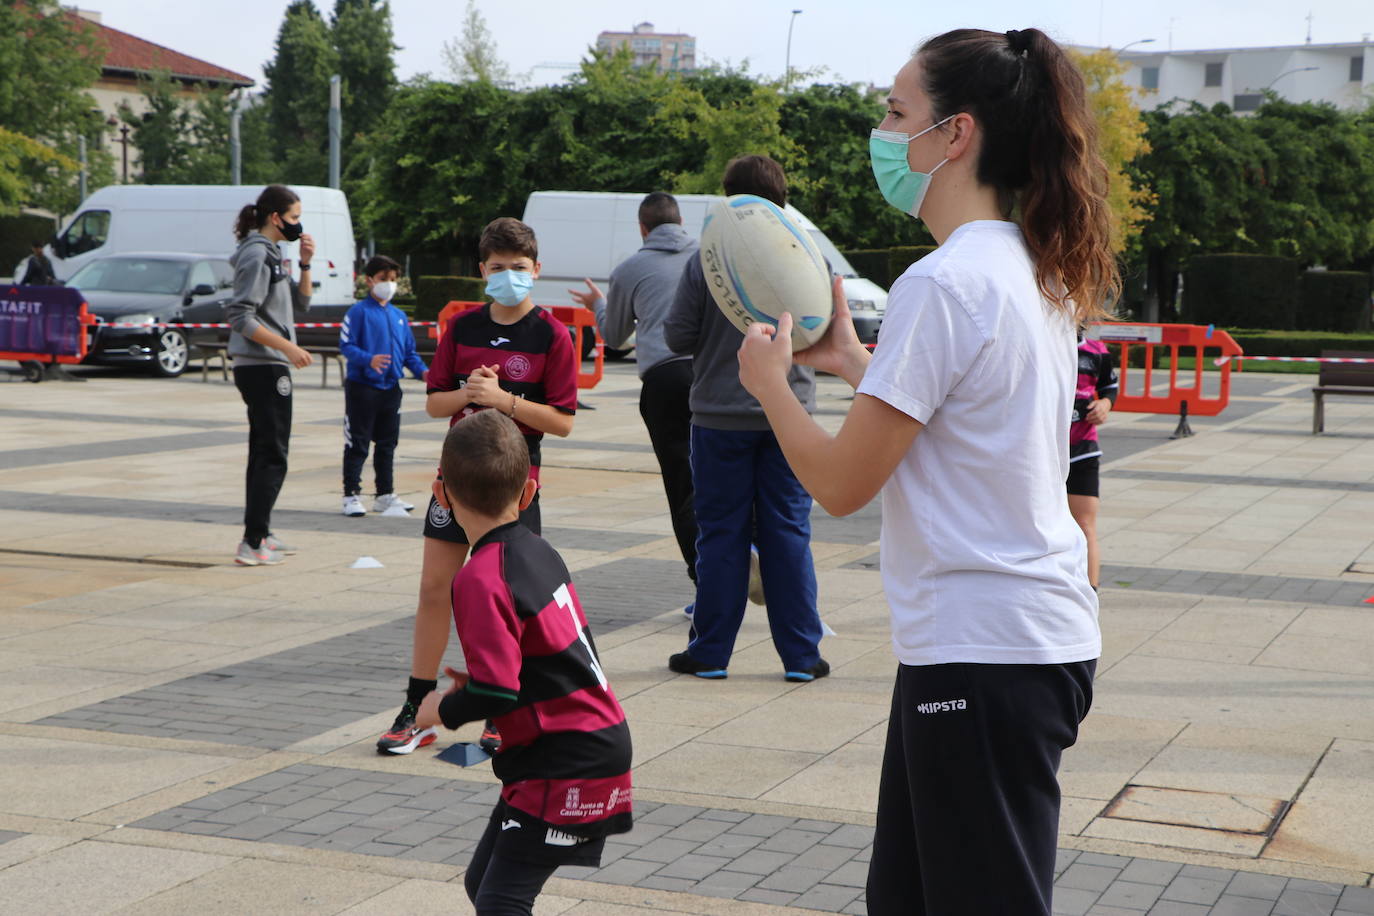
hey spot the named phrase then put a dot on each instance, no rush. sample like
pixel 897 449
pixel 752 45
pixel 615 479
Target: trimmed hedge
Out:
pixel 870 263
pixel 433 293
pixel 16 232
pixel 899 259
pixel 1333 300
pixel 1241 290
pixel 1259 342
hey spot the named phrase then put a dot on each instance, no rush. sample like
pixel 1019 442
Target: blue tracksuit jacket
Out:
pixel 370 328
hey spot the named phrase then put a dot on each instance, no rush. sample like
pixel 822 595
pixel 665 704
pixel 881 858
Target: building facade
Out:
pixel 1341 74
pixel 670 52
pixel 130 59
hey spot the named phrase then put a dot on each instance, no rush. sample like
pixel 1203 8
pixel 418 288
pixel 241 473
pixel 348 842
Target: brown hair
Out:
pixel 657 209
pixel 275 198
pixel 507 234
pixel 757 175
pixel 1039 151
pixel 485 462
pixel 378 263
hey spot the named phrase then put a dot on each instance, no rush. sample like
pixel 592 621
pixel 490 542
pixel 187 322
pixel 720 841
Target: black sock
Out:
pixel 417 690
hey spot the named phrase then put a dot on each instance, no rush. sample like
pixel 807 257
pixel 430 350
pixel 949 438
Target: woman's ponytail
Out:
pixel 1039 151
pixel 245 222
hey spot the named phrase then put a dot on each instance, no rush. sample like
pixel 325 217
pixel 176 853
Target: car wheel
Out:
pixel 173 353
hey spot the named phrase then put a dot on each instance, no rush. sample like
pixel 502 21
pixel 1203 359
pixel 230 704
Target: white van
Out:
pixel 587 233
pixel 199 219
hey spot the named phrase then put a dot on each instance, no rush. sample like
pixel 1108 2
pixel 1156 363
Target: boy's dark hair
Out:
pixel 758 175
pixel 657 209
pixel 508 234
pixel 485 462
pixel 378 263
pixel 38 245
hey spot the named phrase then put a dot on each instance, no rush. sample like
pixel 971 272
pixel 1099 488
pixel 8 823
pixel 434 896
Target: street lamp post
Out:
pixel 787 72
pixel 124 142
pixel 1287 73
pixel 1138 41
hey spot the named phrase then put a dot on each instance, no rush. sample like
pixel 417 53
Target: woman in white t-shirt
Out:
pixel 961 419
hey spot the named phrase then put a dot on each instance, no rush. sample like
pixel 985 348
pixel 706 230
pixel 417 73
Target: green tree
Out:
pixel 365 44
pixel 472 56
pixel 297 92
pixel 21 159
pixel 161 132
pixel 1121 136
pixel 48 58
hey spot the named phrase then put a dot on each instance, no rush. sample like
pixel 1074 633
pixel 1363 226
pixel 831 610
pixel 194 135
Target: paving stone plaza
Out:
pixel 187 736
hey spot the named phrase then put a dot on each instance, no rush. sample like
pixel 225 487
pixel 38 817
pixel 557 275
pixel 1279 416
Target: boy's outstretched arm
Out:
pixel 463 702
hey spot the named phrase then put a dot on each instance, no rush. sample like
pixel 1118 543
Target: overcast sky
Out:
pixel 854 40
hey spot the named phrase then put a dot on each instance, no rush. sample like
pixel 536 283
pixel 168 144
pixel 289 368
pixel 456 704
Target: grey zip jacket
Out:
pixel 697 326
pixel 262 298
pixel 641 293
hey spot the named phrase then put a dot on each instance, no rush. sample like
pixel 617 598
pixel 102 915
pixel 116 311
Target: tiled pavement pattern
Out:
pixel 1228 584
pixel 277 700
pixel 820 865
pixel 1293 483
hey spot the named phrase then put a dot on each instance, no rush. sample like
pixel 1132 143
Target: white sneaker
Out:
pixel 353 507
pixel 386 501
pixel 262 555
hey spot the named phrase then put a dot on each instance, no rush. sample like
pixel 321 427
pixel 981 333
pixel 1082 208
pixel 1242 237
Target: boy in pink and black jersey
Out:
pixel 532 668
pixel 1094 396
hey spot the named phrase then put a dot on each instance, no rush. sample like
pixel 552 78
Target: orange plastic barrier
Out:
pixel 580 320
pixel 1185 395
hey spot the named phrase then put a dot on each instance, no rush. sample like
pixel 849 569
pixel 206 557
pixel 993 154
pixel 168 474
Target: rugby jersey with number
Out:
pixel 565 746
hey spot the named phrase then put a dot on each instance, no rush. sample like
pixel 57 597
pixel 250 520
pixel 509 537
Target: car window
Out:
pixel 88 231
pixel 201 273
pixel 224 274
pixel 131 275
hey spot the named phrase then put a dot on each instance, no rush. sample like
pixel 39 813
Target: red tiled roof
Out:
pixel 129 53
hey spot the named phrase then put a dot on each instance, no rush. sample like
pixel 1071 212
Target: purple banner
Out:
pixel 40 319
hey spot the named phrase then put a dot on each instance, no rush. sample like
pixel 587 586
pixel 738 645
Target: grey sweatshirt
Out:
pixel 641 293
pixel 697 326
pixel 263 297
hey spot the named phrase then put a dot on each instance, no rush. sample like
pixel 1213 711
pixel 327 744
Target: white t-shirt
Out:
pixel 981 560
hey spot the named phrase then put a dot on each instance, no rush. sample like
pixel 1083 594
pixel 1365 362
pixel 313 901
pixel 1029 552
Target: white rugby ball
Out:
pixel 759 263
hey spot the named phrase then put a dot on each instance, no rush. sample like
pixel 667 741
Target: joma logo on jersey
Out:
pixel 942 706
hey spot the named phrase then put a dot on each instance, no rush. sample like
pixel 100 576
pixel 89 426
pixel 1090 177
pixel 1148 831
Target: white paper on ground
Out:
pixel 396 512
pixel 366 563
pixel 826 631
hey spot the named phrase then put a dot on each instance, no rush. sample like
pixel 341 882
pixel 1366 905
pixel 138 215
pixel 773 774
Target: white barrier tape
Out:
pixel 1294 359
pixel 188 324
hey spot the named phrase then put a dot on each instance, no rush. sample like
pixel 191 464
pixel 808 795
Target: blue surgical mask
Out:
pixel 901 187
pixel 510 287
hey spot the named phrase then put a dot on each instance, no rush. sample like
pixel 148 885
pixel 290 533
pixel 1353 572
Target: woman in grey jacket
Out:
pixel 262 341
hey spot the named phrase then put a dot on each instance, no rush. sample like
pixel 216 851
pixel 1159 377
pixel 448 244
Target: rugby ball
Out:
pixel 759 263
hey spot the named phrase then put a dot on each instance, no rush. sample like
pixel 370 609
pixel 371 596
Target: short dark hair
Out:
pixel 658 208
pixel 485 462
pixel 378 263
pixel 508 234
pixel 36 244
pixel 758 175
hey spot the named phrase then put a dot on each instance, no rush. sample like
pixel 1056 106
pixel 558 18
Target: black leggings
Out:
pixel 498 885
pixel 968 803
pixel 267 392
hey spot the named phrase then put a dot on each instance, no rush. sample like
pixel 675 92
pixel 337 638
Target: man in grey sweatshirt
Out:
pixel 743 484
pixel 641 293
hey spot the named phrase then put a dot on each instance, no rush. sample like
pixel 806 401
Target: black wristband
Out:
pixel 304 268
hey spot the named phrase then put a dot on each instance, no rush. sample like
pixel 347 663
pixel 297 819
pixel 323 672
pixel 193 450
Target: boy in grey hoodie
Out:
pixel 262 341
pixel 641 294
pixel 743 484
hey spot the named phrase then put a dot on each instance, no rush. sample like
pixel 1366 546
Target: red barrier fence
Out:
pixel 579 320
pixel 1185 393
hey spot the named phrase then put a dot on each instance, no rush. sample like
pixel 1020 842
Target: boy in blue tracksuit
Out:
pixel 377 342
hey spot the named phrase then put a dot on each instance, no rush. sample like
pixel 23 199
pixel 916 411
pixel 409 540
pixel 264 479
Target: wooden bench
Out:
pixel 1341 379
pixel 221 352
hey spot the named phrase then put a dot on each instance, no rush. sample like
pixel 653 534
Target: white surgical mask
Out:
pixel 383 290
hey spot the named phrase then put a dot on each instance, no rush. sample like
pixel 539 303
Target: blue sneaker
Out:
pixel 820 669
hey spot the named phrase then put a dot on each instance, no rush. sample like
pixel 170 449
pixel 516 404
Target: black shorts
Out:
pixel 520 836
pixel 1083 476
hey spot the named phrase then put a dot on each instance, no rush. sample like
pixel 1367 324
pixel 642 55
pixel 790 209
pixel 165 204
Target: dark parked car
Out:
pixel 153 287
